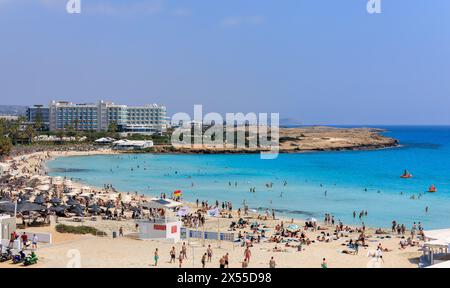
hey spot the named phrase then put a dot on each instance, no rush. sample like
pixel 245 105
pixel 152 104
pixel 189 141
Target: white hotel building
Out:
pixel 148 119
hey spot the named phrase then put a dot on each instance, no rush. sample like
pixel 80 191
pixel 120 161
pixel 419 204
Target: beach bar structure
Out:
pixel 104 141
pixel 164 228
pixel 132 145
pixel 436 248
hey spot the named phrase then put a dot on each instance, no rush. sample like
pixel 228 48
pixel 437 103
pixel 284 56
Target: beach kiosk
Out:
pixel 436 248
pixel 7 226
pixel 165 227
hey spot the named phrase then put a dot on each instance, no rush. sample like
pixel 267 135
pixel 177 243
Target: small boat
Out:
pixel 432 189
pixel 406 175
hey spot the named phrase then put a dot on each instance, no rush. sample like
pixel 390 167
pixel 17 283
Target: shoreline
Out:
pixel 253 210
pixel 55 255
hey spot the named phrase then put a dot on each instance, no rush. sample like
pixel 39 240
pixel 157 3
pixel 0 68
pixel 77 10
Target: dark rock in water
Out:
pixel 287 211
pixel 69 170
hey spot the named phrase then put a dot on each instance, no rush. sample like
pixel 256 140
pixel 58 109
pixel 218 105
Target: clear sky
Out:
pixel 317 61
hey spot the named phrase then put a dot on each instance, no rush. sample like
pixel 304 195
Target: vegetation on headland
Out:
pixel 61 228
pixel 17 135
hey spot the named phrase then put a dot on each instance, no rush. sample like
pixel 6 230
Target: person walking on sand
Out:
pixel 209 253
pixel 247 254
pixel 34 242
pixel 222 262
pixel 324 264
pixel 226 258
pixel 172 255
pixel 272 263
pixel 156 257
pixel 184 250
pixel 180 259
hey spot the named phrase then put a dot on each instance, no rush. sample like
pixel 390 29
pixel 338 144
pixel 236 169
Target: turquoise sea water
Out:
pixel 425 152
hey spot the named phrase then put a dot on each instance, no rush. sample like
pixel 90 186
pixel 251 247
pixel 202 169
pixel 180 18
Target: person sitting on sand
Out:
pixel 411 242
pixel 276 249
pixel 379 231
pixel 403 244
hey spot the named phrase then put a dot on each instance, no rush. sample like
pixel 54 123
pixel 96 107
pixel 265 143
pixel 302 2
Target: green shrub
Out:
pixel 61 228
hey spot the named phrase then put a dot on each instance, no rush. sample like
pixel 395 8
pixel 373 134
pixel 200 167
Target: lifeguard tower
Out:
pixel 164 227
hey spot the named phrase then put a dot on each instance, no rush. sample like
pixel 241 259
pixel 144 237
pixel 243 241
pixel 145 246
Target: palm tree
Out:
pixel 5 145
pixel 30 133
pixel 14 131
pixel 60 135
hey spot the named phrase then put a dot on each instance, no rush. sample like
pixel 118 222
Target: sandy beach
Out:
pixel 128 251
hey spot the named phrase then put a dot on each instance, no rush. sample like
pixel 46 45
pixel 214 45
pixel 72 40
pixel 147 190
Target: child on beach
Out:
pixel 184 250
pixel 180 259
pixel 272 263
pixel 172 255
pixel 34 242
pixel 156 257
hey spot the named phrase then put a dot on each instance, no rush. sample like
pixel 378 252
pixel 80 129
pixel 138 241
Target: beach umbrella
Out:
pixel 293 228
pixel 44 187
pixel 110 205
pixel 311 219
pixel 30 207
pixel 95 209
pixel 76 210
pixel 7 206
pixel 55 200
pixel 5 197
pixel 39 199
pixel 135 209
pixel 58 209
pixel 24 198
pixel 71 202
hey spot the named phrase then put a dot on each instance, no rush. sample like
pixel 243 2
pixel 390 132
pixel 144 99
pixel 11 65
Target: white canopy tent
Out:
pixel 105 140
pixel 437 244
pixel 158 203
pixel 440 234
pixel 445 264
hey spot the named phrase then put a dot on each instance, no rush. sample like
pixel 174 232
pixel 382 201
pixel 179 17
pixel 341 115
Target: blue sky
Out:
pixel 317 61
